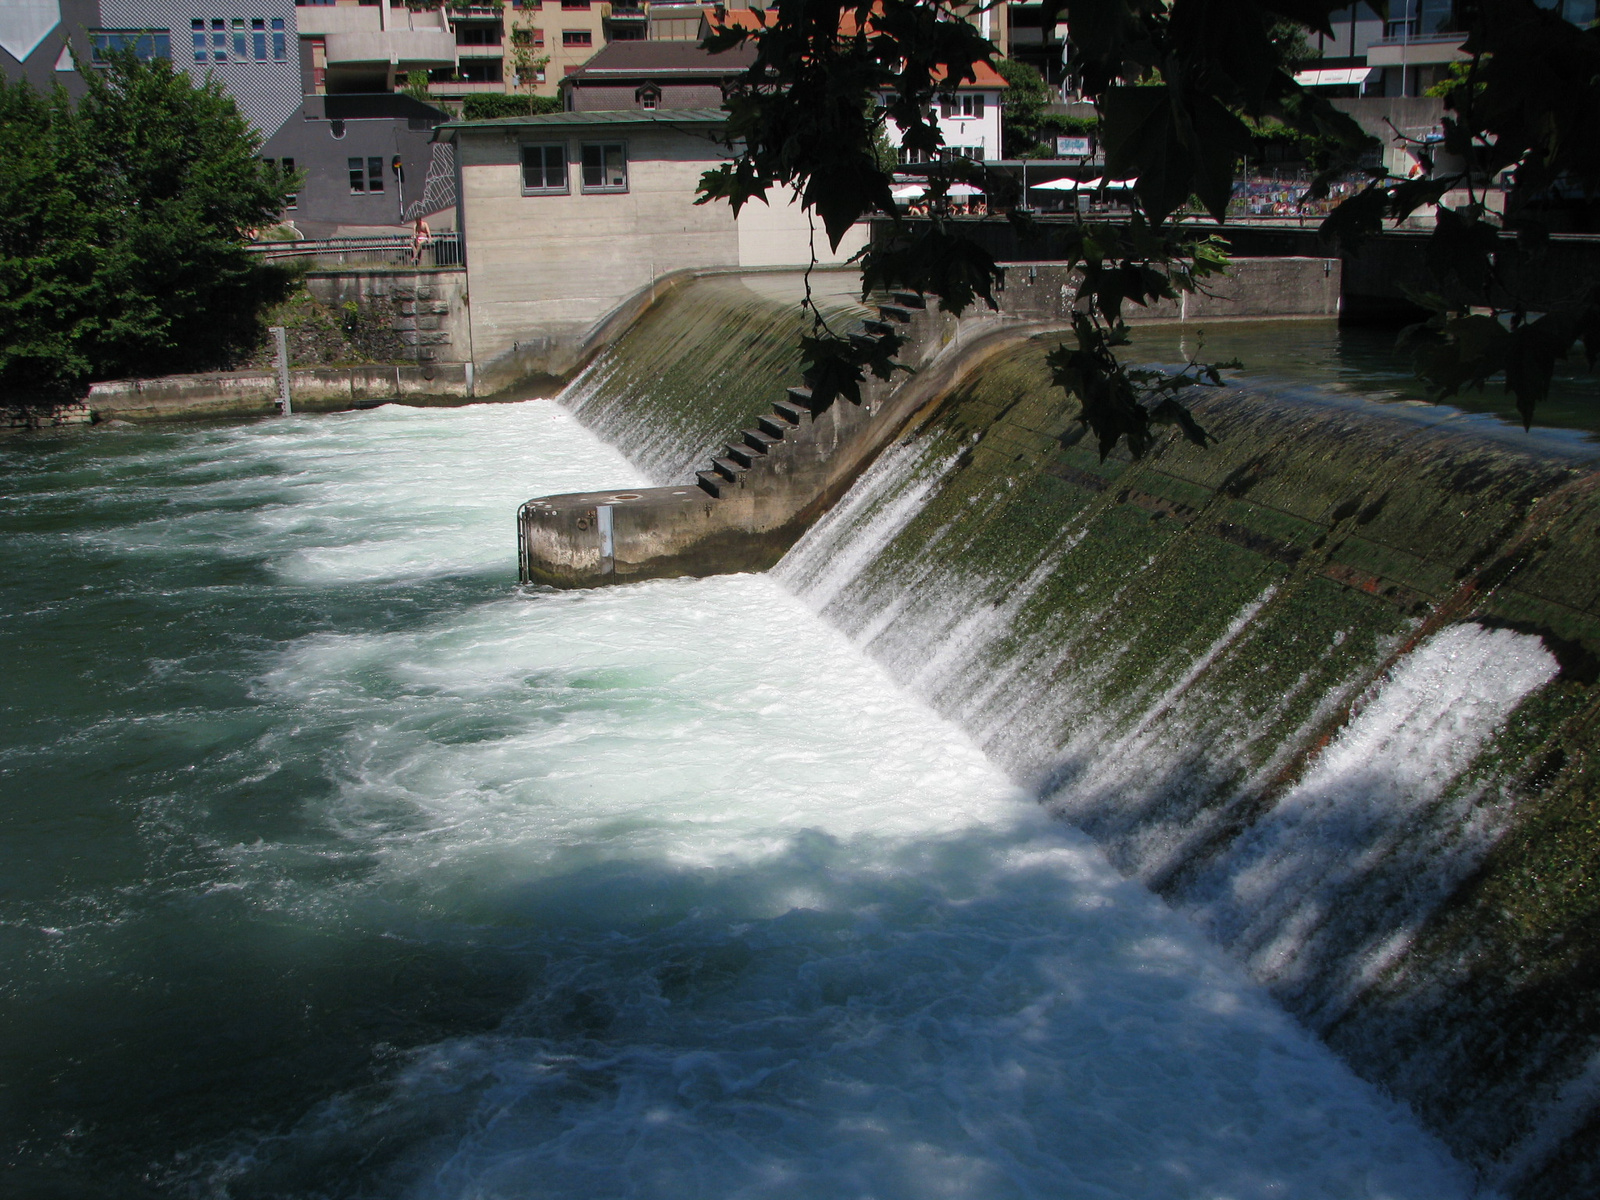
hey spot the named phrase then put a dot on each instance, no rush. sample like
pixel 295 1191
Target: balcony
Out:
pixel 408 49
pixel 461 87
pixel 1417 50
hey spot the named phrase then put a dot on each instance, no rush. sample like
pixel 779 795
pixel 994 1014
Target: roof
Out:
pixel 645 58
pixel 985 76
pixel 627 116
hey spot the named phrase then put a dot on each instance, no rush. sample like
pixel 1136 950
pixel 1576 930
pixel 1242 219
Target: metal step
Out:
pixel 789 411
pixel 910 299
pixel 802 397
pixel 711 482
pixel 727 468
pixel 893 312
pixel 877 328
pixel 742 454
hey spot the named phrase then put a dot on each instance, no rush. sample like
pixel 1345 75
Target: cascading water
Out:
pixel 1238 670
pixel 338 867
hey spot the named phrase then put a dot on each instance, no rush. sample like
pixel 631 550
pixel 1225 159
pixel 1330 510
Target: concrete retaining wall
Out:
pixel 427 308
pixel 255 393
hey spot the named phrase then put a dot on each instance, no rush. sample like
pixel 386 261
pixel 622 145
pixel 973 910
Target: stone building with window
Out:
pixel 568 215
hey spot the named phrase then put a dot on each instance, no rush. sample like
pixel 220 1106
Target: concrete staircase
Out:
pixel 780 438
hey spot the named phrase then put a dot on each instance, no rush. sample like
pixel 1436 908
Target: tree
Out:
pixel 1027 96
pixel 1180 86
pixel 122 230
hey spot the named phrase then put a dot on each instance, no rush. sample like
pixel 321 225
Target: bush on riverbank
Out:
pixel 123 220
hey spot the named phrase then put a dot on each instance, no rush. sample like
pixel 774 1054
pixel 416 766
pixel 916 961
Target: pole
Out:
pixel 280 343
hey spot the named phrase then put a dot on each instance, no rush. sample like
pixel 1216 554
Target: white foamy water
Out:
pixel 788 932
pixel 1369 798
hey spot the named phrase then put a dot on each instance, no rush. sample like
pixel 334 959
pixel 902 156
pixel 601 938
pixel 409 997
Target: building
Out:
pixel 650 75
pixel 968 119
pixel 568 214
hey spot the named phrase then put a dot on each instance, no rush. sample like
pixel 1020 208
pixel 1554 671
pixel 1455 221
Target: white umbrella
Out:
pixel 909 191
pixel 963 190
pixel 1066 185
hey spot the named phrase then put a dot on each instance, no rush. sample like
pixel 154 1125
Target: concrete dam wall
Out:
pixel 1328 685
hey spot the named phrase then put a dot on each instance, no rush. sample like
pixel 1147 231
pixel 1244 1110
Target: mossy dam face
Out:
pixel 1328 686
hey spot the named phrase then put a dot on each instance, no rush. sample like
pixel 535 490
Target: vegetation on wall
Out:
pixel 488 106
pixel 123 220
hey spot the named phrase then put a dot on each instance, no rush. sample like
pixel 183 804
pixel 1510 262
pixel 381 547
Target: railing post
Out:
pixel 280 360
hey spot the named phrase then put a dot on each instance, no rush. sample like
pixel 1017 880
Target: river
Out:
pixel 337 865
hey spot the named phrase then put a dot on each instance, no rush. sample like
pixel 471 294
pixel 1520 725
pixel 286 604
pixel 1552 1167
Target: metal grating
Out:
pixel 267 93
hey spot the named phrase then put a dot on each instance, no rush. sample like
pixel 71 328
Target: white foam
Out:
pixel 791 933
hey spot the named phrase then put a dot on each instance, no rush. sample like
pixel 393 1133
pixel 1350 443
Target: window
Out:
pixel 477 35
pixel 649 98
pixel 962 106
pixel 219 41
pixel 528 37
pixel 370 180
pixel 605 168
pixel 577 37
pixel 241 45
pixel 199 30
pixel 544 169
pixel 481 70
pixel 258 39
pixel 146 43
pixel 574 5
pixel 280 41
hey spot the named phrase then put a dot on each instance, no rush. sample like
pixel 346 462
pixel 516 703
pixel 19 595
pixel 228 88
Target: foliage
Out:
pixel 524 62
pixel 1182 87
pixel 1524 108
pixel 491 105
pixel 417 86
pixel 122 230
pixel 1023 113
pixel 1173 83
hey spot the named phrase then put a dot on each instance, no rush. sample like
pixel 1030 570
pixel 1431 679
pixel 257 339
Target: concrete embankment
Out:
pixel 255 393
pixel 775 477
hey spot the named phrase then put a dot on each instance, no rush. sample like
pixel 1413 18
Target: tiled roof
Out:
pixel 663 58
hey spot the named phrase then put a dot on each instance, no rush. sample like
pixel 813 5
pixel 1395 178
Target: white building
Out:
pixel 969 119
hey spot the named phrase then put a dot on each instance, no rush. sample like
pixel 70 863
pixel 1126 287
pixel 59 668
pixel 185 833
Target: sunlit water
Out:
pixel 335 865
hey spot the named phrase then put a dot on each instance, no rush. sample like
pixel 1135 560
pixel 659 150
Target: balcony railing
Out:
pixel 1422 39
pixel 446 249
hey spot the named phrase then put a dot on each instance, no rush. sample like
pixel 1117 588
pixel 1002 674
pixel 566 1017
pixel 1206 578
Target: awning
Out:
pixel 1087 185
pixel 915 191
pixel 1328 77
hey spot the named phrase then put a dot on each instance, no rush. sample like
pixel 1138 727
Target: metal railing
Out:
pixel 446 249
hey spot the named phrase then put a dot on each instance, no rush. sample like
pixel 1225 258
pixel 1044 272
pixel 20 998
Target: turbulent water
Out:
pixel 335 865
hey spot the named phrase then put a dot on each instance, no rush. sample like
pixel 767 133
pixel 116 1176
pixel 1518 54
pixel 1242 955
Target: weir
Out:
pixel 1327 685
pixel 772 479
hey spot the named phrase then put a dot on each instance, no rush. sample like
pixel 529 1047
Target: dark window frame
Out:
pixel 577 37
pixel 602 188
pixel 546 188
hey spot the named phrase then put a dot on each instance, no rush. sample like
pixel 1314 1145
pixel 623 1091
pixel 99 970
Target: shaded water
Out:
pixel 1366 362
pixel 335 865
